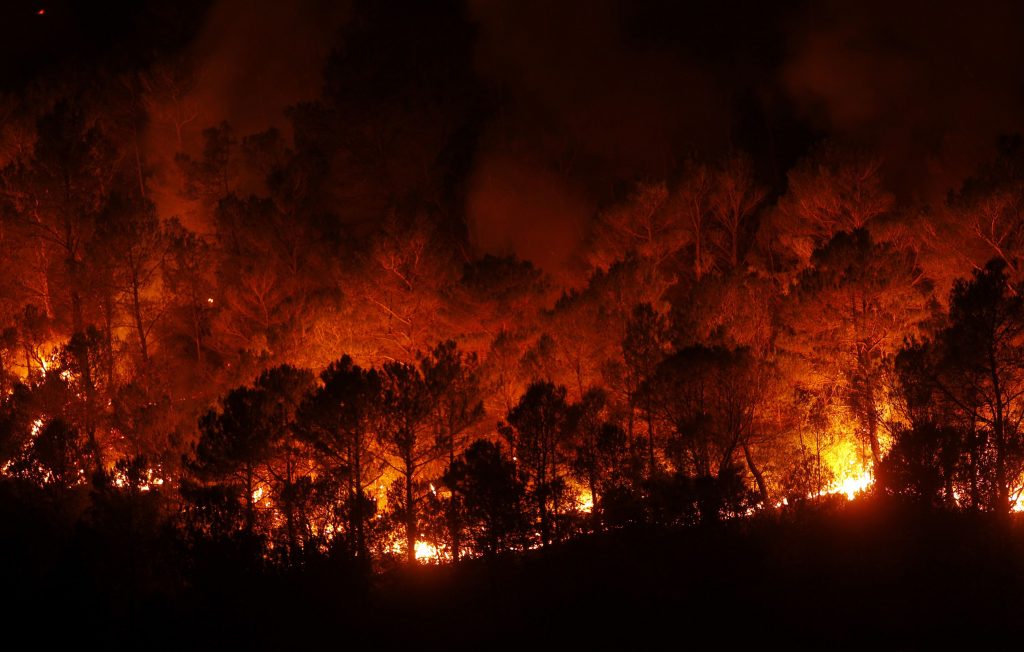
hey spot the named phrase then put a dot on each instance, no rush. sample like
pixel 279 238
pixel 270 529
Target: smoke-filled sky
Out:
pixel 568 102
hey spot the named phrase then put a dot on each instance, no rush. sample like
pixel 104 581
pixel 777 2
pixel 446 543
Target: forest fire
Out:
pixel 585 502
pixel 852 485
pixel 146 480
pixel 476 287
pixel 426 552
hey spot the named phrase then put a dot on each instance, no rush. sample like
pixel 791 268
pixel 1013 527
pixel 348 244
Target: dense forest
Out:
pixel 302 345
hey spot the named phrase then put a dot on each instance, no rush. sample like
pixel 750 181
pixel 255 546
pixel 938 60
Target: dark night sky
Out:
pixel 68 32
pixel 584 97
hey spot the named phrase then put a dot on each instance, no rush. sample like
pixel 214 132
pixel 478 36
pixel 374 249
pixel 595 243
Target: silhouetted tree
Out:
pixel 235 447
pixel 340 419
pixel 285 387
pixel 210 179
pixel 976 364
pixel 405 438
pixel 59 191
pixel 922 465
pixel 188 278
pixel 56 455
pixel 453 383
pixel 492 496
pixel 643 348
pixel 131 236
pixel 537 430
pixel 709 397
pixel 600 456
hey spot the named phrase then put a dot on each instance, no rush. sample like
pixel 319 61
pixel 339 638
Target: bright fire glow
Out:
pixel 426 552
pixel 1017 495
pixel 585 502
pixel 845 458
pixel 149 479
pixel 851 485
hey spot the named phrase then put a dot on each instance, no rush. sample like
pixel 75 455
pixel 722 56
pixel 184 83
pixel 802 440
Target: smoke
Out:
pixel 522 208
pixel 588 108
pixel 256 58
pixel 586 97
pixel 930 85
pixel 628 105
pixel 250 60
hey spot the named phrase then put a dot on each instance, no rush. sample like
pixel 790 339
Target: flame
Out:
pixel 426 552
pixel 585 502
pixel 151 478
pixel 855 481
pixel 48 357
pixel 851 485
pixel 1016 495
pixel 846 458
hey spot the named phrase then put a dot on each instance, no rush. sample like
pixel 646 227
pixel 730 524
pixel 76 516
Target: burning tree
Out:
pixel 853 307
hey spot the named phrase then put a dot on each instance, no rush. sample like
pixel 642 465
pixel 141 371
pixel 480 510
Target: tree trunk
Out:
pixel 595 518
pixel 876 451
pixel 1002 496
pixel 542 498
pixel 650 441
pixel 81 354
pixel 250 503
pixel 455 525
pixel 139 324
pixel 735 237
pixel 410 515
pixel 108 338
pixel 454 516
pixel 289 509
pixel 975 456
pixel 197 328
pixel 762 486
pixel 356 495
